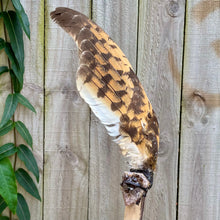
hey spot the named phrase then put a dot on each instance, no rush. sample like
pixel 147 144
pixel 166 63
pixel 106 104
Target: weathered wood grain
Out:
pixel 119 20
pixel 66 124
pixel 33 90
pixel 199 196
pixel 161 25
pixel 5 87
pixel 82 167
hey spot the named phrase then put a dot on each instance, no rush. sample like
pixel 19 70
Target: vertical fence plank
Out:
pixel 66 124
pixel 161 25
pixel 199 196
pixel 119 20
pixel 33 90
pixel 5 87
pixel 67 118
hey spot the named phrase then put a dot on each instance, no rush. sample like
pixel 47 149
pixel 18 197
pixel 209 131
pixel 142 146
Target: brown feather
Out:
pixel 107 75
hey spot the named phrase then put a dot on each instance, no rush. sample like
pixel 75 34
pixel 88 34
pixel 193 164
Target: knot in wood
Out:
pixel 69 156
pixel 197 108
pixel 72 95
pixel 165 141
pixel 173 8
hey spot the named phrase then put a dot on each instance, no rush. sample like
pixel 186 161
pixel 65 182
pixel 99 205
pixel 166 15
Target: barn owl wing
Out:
pixel 107 82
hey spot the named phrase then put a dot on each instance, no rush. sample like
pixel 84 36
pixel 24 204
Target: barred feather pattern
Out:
pixel 107 82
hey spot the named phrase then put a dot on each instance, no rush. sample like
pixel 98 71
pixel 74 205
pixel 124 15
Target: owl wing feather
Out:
pixel 107 82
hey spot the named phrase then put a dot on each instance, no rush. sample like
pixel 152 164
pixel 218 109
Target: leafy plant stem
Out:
pixel 13 24
pixel 12 89
pixel 6 39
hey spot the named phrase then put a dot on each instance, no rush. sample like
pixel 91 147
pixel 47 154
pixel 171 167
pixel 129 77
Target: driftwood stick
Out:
pixel 133 190
pixel 134 212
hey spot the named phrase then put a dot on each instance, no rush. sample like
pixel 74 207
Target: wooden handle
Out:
pixel 133 185
pixel 134 212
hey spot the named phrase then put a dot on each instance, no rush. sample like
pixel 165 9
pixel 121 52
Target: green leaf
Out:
pixel 22 100
pixel 3 205
pixel 23 18
pixel 10 107
pixel 7 150
pixel 25 155
pixel 8 187
pixel 6 128
pixel 14 63
pixel 23 131
pixel 22 211
pixel 3 69
pixel 27 183
pixel 2 43
pixel 16 84
pixel 4 218
pixel 15 33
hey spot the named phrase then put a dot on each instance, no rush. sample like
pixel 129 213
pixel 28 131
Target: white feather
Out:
pixel 105 115
pixel 111 122
pixel 113 129
pixel 130 151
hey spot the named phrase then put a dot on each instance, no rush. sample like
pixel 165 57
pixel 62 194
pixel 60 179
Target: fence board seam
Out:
pixel 180 116
pixel 44 109
pixel 138 20
pixel 89 159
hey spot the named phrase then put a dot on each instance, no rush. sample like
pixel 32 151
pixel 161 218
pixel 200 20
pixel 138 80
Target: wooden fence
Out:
pixel 174 46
